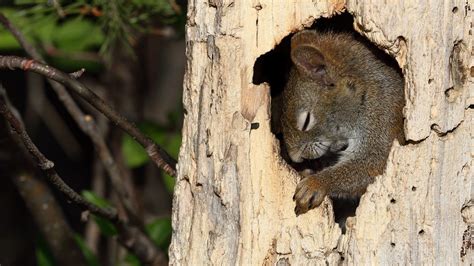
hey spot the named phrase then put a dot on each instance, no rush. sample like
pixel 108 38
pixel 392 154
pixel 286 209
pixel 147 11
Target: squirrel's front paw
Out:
pixel 308 195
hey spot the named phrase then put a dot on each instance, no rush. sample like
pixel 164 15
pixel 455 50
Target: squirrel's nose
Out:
pixel 295 155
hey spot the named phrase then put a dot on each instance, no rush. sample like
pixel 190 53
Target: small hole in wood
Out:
pixel 421 232
pixel 447 92
pixel 392 244
pixel 430 80
pixel 413 188
pixel 393 201
pixel 455 9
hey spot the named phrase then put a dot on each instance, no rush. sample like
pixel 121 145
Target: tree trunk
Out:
pixel 233 197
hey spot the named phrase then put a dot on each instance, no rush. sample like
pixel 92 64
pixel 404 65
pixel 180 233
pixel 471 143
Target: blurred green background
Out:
pixel 133 54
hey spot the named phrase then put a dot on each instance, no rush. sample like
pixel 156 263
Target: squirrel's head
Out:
pixel 325 96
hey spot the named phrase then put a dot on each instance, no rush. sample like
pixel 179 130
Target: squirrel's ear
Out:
pixel 310 61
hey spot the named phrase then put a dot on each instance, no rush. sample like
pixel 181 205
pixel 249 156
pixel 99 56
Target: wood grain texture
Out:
pixel 233 198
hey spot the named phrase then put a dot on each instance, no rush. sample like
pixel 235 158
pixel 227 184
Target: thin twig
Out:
pixel 85 122
pixel 130 236
pixel 49 218
pixel 40 108
pixel 160 157
pixel 92 232
pixel 77 74
pixel 30 49
pixel 176 8
pixel 52 51
pixel 59 9
pixel 46 165
pixel 88 126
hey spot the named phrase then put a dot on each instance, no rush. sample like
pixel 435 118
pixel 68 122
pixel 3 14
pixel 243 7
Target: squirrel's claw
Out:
pixel 308 195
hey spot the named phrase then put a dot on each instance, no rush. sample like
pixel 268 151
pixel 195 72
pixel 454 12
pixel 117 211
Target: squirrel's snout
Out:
pixel 295 155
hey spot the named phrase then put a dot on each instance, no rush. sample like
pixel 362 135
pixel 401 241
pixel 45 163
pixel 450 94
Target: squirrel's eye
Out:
pixel 305 121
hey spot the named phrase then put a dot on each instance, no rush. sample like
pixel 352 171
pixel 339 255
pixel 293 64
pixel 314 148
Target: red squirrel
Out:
pixel 340 98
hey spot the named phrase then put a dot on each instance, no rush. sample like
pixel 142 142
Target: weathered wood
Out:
pixel 233 197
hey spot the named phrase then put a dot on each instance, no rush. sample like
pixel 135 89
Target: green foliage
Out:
pixel 65 42
pixel 29 2
pixel 77 35
pixel 135 156
pixel 160 232
pixel 131 260
pixel 93 198
pixel 88 25
pixel 105 226
pixel 43 254
pixel 7 41
pixel 91 259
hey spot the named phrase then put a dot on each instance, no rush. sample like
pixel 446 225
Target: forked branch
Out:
pixel 159 156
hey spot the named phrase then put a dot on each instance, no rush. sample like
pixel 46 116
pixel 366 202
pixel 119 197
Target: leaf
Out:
pixel 78 35
pixel 45 29
pixel 8 42
pixel 93 198
pixel 133 153
pixel 132 260
pixel 173 145
pixel 105 226
pixel 169 182
pixel 91 259
pixel 135 156
pixel 160 232
pixel 43 254
pixel 29 2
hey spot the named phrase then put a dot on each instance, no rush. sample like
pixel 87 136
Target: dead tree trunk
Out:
pixel 233 198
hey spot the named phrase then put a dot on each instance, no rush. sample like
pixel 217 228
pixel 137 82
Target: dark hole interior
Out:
pixel 273 68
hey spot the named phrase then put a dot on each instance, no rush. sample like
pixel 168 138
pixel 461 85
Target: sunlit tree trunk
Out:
pixel 233 198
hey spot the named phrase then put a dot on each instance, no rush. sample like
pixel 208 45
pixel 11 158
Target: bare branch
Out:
pixel 131 236
pixel 30 49
pixel 77 74
pixel 46 165
pixel 49 218
pixel 161 158
pixel 88 126
pixel 86 122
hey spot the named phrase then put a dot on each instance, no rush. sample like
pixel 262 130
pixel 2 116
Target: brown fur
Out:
pixel 352 98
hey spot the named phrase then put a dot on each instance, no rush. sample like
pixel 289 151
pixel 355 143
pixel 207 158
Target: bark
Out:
pixel 233 196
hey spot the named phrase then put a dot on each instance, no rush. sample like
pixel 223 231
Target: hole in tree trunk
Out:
pixel 275 68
